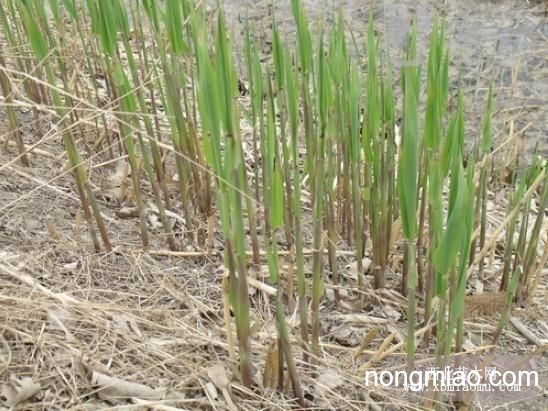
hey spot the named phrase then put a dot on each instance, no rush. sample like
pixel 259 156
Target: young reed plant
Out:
pixel 275 214
pixel 408 180
pixel 431 178
pixel 223 150
pixel 30 18
pixel 13 122
pixel 522 234
pixel 379 152
pixel 108 19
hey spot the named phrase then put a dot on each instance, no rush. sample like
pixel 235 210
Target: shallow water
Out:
pixel 505 41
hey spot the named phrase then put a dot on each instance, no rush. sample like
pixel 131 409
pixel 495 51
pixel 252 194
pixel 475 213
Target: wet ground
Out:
pixel 503 41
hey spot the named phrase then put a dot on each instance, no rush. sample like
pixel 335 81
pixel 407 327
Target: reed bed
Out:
pixel 290 166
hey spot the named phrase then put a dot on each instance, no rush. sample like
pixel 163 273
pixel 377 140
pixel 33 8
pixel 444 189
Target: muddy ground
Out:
pixel 501 41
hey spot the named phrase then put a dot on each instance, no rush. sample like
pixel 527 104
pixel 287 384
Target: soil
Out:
pixel 71 316
pixel 504 41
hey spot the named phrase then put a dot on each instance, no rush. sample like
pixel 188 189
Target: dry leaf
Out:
pixel 19 390
pixel 112 387
pixel 60 317
pixel 211 390
pixel 68 267
pixel 217 375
